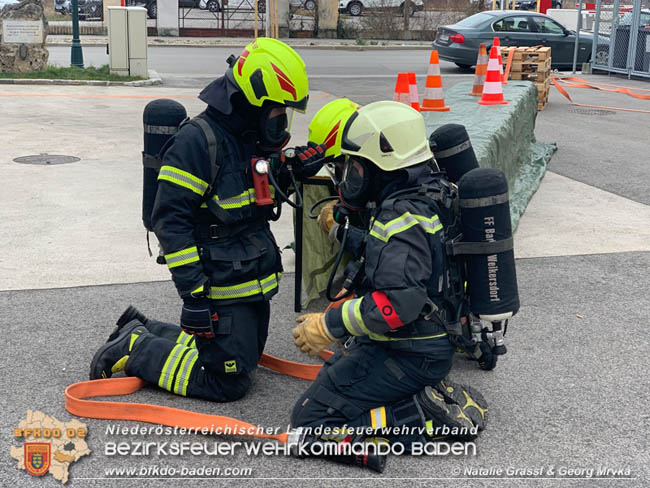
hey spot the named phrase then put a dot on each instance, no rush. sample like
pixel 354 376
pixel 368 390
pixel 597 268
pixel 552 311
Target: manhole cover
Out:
pixel 591 111
pixel 46 159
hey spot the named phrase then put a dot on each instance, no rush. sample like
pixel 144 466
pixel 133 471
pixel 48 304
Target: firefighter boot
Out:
pixel 131 313
pixel 303 444
pixel 440 415
pixel 470 400
pixel 112 356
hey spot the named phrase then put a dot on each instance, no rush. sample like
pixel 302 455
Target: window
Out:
pixel 475 20
pixel 547 26
pixel 512 24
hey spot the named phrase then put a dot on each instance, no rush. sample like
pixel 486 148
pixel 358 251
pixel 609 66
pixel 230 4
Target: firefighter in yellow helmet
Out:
pixel 327 128
pixel 395 354
pixel 213 226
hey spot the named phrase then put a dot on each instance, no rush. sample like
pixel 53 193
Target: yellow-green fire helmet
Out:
pixel 327 125
pixel 392 135
pixel 268 69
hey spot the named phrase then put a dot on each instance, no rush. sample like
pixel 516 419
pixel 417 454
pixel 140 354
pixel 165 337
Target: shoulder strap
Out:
pixel 214 139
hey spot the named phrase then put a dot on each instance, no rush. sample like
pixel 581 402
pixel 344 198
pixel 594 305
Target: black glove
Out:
pixel 197 317
pixel 308 160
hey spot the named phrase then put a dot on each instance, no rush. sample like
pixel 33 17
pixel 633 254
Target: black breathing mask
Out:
pixel 354 182
pixel 273 125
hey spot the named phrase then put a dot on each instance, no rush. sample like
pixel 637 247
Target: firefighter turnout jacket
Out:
pixel 216 241
pixel 405 279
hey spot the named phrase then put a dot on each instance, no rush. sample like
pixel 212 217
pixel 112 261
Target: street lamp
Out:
pixel 76 54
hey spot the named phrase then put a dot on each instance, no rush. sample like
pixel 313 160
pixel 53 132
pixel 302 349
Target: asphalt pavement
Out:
pixel 570 395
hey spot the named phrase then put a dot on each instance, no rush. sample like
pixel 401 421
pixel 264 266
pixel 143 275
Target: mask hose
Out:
pixel 311 213
pixel 282 195
pixel 339 256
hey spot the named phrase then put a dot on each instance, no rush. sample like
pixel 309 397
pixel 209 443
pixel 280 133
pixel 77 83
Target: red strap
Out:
pixel 387 310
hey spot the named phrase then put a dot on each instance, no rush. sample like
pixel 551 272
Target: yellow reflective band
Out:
pixel 184 371
pixel 246 289
pixel 169 368
pixel 378 417
pixel 384 232
pixel 383 338
pixel 184 339
pixel 241 200
pixel 351 314
pixel 198 290
pixel 184 256
pixel 183 178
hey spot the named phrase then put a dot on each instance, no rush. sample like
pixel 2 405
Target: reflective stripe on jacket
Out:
pixel 244 266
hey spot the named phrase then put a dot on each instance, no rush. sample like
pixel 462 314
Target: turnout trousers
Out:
pixel 215 369
pixel 366 388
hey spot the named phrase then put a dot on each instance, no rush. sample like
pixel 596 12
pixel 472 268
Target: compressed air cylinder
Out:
pixel 485 217
pixel 161 119
pixel 453 150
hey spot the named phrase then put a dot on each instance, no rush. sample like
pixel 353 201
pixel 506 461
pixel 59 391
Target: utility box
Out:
pixel 127 41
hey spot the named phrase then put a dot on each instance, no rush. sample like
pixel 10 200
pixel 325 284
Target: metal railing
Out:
pixel 622 38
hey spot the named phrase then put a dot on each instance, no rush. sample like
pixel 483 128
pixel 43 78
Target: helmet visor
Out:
pixel 299 105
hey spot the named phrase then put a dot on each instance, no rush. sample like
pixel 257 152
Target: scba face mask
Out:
pixel 274 126
pixel 354 186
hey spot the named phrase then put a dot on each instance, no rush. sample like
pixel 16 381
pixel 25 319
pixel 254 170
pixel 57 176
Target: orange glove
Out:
pixel 312 336
pixel 326 217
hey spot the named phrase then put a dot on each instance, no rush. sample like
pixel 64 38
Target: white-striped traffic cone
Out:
pixel 492 89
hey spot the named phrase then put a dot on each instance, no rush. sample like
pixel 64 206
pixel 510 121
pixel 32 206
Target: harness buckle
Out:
pixel 433 308
pixel 213 231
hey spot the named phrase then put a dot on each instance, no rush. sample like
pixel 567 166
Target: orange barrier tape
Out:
pixel 506 74
pixel 580 83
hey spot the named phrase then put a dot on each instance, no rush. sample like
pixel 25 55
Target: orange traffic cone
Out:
pixel 414 98
pixel 433 96
pixel 481 71
pixel 402 89
pixel 492 89
pixel 496 42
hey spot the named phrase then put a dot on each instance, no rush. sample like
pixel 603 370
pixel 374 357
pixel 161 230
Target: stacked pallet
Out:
pixel 533 64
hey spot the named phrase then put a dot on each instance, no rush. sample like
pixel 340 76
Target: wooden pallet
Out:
pixel 535 53
pixel 542 66
pixel 535 77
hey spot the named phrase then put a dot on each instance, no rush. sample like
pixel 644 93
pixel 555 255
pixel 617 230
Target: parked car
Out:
pixel 459 42
pixel 643 21
pixel 90 9
pixel 306 4
pixel 152 5
pixel 62 6
pixel 4 3
pixel 520 4
pixel 356 7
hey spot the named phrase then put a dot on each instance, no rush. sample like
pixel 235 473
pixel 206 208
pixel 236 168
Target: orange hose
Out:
pixel 77 404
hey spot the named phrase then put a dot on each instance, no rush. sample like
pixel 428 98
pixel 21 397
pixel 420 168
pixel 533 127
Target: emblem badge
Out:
pixel 37 458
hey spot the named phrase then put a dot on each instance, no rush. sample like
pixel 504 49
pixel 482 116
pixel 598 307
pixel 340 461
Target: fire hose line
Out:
pixel 575 82
pixel 77 403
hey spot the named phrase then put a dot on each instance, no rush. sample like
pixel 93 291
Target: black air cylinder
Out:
pixel 485 217
pixel 161 119
pixel 453 151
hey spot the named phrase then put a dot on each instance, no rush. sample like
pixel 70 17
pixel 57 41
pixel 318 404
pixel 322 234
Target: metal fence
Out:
pixel 622 37
pixel 223 16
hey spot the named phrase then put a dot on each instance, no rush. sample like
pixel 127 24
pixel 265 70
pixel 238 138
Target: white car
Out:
pixel 356 7
pixel 7 2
